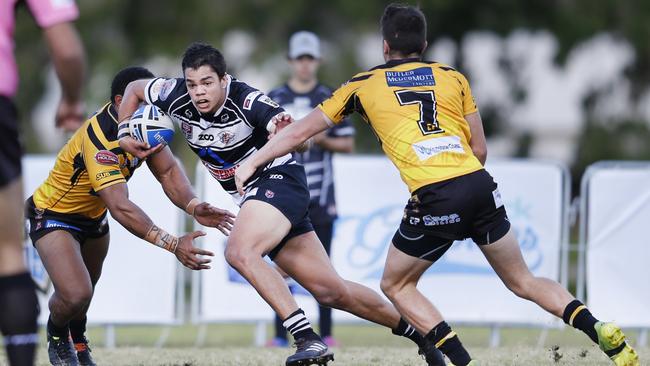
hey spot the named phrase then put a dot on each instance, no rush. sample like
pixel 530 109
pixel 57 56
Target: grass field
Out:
pixel 362 345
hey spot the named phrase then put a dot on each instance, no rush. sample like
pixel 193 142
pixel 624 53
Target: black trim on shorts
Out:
pixel 438 214
pixel 82 228
pixel 285 188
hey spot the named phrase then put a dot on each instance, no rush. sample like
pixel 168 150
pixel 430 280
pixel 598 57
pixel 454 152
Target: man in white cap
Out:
pixel 299 96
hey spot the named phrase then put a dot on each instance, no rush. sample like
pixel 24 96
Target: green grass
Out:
pixel 231 344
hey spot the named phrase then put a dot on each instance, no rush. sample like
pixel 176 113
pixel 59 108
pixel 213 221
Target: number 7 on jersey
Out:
pixel 426 101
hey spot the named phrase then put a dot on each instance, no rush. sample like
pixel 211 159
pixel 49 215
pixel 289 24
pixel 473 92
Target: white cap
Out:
pixel 304 43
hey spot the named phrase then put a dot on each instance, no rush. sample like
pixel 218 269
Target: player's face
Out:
pixel 304 68
pixel 206 89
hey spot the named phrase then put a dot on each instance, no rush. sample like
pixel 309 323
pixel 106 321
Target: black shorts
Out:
pixel 43 222
pixel 468 206
pixel 285 188
pixel 11 149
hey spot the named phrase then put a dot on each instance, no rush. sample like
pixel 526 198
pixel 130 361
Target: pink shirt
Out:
pixel 47 13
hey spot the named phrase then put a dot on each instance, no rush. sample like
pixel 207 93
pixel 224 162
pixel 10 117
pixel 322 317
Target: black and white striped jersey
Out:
pixel 223 140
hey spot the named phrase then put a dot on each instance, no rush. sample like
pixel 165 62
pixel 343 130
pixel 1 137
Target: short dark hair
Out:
pixel 125 76
pixel 404 28
pixel 201 54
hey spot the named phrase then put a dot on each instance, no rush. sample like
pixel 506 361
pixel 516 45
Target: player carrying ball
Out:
pixel 225 121
pixel 428 125
pixel 69 227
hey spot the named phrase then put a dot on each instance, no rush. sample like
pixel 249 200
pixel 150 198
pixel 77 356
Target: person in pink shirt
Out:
pixel 18 302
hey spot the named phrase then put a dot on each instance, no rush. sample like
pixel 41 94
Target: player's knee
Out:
pixel 520 286
pixel 77 297
pixel 237 257
pixel 333 297
pixel 389 288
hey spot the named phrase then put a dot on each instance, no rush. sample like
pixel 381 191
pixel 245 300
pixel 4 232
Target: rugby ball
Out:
pixel 149 124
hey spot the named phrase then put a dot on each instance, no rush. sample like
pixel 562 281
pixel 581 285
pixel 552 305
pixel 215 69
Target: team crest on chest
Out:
pixel 225 137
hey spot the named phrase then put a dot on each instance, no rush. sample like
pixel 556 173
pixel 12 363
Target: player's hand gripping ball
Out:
pixel 149 124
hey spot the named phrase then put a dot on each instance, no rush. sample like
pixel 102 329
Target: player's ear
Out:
pixel 426 44
pixel 224 82
pixel 386 49
pixel 117 101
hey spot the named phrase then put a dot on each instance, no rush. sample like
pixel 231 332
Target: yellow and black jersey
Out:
pixel 417 110
pixel 91 161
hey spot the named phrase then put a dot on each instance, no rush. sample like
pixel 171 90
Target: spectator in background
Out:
pixel 18 302
pixel 298 97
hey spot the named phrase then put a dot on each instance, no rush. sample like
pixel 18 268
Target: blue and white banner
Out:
pixel 371 198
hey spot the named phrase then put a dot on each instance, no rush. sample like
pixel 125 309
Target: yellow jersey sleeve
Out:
pixel 343 101
pixel 469 104
pixel 103 165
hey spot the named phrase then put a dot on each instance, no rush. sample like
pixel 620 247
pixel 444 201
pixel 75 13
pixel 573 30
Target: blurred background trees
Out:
pixel 590 101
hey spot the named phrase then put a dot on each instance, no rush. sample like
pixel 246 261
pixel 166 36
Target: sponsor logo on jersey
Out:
pixel 269 193
pixel 103 175
pixel 422 76
pixel 268 101
pixel 248 101
pixel 206 137
pixel 166 89
pixel 105 157
pixel 187 128
pixel 437 145
pixel 414 220
pixel 276 176
pixel 224 117
pixel 222 174
pixel 188 114
pixel 225 137
pixel 440 220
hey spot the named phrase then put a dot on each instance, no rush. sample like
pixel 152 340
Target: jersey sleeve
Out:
pixel 102 165
pixel 342 103
pixel 51 12
pixel 469 104
pixel 162 92
pixel 259 108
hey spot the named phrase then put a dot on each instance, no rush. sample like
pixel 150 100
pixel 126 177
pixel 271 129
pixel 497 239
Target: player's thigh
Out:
pixel 402 269
pixel 305 260
pixel 61 255
pixel 259 227
pixel 94 251
pixel 11 227
pixel 504 255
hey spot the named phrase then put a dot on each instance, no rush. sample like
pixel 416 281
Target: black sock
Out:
pixel 325 321
pixel 404 329
pixel 280 332
pixel 78 330
pixel 448 343
pixel 578 316
pixel 60 332
pixel 18 314
pixel 298 325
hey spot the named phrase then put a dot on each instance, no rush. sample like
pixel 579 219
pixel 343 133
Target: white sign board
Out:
pixel 618 248
pixel 138 282
pixel 371 197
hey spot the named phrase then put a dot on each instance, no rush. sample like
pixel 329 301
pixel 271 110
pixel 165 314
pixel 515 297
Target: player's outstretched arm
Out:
pixel 69 61
pixel 129 215
pixel 133 96
pixel 177 187
pixel 477 142
pixel 282 143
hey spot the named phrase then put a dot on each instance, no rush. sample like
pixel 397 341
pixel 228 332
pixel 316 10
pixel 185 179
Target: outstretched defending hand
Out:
pixel 188 254
pixel 208 215
pixel 69 115
pixel 139 149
